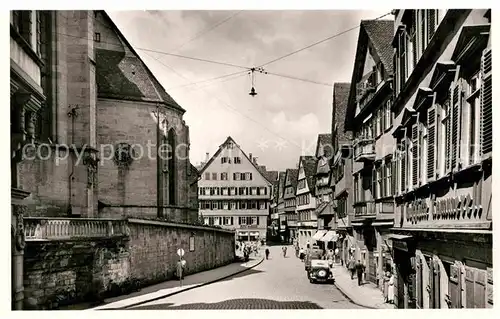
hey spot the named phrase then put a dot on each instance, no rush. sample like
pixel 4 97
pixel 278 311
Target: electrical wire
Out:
pixel 227 105
pixel 203 32
pixel 208 80
pixel 161 52
pixel 319 42
pixel 298 79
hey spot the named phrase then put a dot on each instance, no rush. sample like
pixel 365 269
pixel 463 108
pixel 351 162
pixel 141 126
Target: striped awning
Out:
pixel 254 233
pixel 243 233
pixel 330 236
pixel 319 234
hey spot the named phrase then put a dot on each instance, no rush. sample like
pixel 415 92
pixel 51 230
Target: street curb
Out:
pixel 342 291
pixel 187 288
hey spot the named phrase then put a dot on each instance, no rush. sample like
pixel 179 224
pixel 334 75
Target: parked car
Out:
pixel 320 271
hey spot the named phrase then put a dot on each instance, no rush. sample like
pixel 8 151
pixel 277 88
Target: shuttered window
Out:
pixel 431 23
pixel 486 137
pixel 431 142
pixel 456 116
pixel 415 154
pixel 475 288
pixel 403 164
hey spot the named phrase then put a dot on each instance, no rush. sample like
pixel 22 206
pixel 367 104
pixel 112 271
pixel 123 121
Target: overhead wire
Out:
pixel 318 42
pixel 205 31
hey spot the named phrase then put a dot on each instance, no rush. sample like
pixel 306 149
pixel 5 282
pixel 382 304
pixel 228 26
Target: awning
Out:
pixel 243 233
pixel 399 236
pixel 319 234
pixel 330 236
pixel 254 233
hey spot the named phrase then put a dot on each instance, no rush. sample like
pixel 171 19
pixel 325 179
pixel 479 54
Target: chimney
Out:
pixel 255 160
pixel 250 156
pixel 207 157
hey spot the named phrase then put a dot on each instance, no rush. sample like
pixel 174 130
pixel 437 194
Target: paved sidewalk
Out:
pixel 366 295
pixel 172 287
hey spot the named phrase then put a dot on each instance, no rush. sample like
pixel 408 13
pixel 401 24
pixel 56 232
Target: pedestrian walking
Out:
pixel 267 253
pixel 302 254
pixel 284 251
pixel 360 269
pixel 351 265
pixel 297 251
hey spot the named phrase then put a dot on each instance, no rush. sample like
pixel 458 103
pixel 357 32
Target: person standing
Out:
pixel 390 292
pixel 351 265
pixel 387 277
pixel 284 251
pixel 360 269
pixel 267 253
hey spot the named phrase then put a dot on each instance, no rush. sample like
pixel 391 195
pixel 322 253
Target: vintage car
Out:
pixel 320 271
pixel 312 254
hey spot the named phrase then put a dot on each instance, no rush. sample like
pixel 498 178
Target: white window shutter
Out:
pixel 486 136
pixel 432 141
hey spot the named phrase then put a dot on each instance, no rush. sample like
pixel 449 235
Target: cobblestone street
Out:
pixel 277 283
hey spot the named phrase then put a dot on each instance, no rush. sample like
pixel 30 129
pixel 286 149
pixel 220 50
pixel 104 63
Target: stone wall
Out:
pixel 62 272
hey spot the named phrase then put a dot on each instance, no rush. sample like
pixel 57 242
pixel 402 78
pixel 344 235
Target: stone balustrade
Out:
pixel 53 228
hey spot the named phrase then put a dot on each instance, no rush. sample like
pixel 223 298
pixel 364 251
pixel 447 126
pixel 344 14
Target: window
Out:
pixel 301 184
pixel 237 160
pixel 225 205
pixel 456 92
pixel 378 122
pixel 230 146
pixel 471 119
pixel 214 176
pixel 387 115
pixel 232 191
pixel 263 190
pixel 97 37
pixel 224 191
pixel 233 205
pixel 223 160
pixel 207 191
pixel 23 24
pixel 248 176
pixel 388 180
pixel 223 176
pixel 378 185
pixel 228 221
pixel 207 176
pixel 263 205
pixel 486 127
pixel 253 191
pixel 236 177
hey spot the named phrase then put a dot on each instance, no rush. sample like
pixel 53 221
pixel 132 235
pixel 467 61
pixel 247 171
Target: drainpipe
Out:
pixel 159 194
pixel 73 113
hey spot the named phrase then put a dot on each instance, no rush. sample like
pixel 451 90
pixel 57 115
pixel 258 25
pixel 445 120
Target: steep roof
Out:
pixel 125 76
pixel 309 164
pixel 325 139
pixel 340 101
pixel 292 174
pixel 281 184
pixel 380 34
pixel 228 140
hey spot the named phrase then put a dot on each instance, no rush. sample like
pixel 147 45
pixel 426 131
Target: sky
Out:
pixel 284 119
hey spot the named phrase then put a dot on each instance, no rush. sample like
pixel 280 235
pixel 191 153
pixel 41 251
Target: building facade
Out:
pixel 341 179
pixel 234 193
pixel 307 220
pixel 288 220
pixel 442 240
pixel 83 105
pixel 370 119
pixel 277 207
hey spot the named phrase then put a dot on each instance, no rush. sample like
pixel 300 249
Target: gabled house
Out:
pixel 306 200
pixel 235 193
pixel 341 178
pixel 288 220
pixel 370 119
